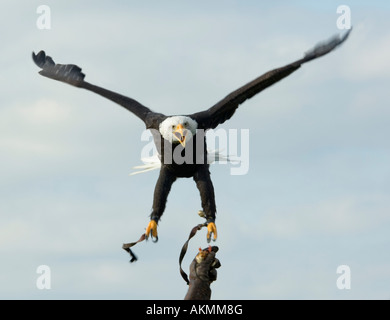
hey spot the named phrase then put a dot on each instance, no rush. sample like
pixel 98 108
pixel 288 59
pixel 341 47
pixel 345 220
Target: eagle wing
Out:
pixel 71 74
pixel 224 109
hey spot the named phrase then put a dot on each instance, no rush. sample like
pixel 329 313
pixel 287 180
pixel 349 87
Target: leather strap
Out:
pixel 127 246
pixel 185 247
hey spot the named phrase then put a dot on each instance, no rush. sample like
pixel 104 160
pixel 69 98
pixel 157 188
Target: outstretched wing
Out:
pixel 71 74
pixel 224 109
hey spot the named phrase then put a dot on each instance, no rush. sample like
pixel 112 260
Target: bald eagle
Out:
pixel 172 134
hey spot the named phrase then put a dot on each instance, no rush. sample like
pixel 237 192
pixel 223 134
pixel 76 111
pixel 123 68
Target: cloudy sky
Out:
pixel 317 193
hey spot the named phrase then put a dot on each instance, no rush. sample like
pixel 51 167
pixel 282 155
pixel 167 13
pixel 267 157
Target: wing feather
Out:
pixel 224 109
pixel 71 74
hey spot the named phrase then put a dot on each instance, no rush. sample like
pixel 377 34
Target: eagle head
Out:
pixel 178 129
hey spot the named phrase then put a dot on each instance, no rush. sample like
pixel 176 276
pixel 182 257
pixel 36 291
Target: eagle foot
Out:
pixel 211 229
pixel 151 230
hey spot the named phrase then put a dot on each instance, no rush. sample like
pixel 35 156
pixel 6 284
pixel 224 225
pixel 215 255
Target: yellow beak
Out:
pixel 180 134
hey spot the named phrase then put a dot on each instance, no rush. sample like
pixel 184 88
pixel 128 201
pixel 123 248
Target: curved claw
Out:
pixel 151 230
pixel 211 229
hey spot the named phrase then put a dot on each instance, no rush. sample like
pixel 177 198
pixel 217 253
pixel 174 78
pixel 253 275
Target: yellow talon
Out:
pixel 211 229
pixel 151 229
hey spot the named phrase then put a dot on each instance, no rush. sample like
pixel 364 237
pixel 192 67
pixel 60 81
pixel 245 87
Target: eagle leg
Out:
pixel 205 186
pixel 161 191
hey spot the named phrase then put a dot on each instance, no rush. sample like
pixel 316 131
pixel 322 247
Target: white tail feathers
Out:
pixel 150 163
pixel 217 156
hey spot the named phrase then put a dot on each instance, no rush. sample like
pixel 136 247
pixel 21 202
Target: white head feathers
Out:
pixel 169 126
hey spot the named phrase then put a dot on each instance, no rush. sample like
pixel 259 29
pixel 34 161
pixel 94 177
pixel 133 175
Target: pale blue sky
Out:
pixel 317 194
